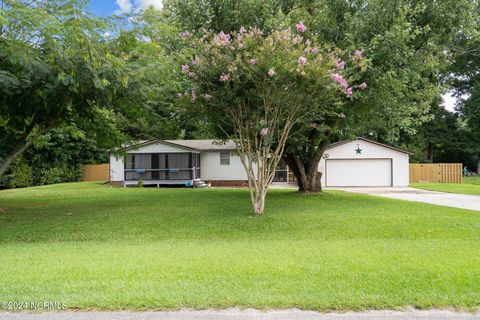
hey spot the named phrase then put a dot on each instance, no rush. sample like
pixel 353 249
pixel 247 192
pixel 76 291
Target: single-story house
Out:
pixel 351 163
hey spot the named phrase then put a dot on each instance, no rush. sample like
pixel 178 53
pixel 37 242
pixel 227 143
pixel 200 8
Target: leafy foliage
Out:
pixel 57 65
pixel 254 88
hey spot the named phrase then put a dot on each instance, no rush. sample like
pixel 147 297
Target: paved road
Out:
pixel 235 314
pixel 455 200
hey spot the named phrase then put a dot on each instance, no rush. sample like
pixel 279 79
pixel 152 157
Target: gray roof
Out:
pixel 205 145
pixel 216 145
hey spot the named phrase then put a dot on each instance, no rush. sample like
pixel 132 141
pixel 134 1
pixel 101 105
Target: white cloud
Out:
pixel 144 4
pixel 124 6
pixel 127 6
pixel 450 101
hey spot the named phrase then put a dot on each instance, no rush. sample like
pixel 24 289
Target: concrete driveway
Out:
pixel 455 200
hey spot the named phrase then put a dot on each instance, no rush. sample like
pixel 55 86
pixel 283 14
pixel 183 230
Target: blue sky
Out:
pixel 109 7
pixel 103 7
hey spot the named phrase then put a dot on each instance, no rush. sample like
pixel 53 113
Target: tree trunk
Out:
pixel 259 203
pixel 311 183
pixel 16 152
pixel 430 152
pixel 306 170
pixel 478 166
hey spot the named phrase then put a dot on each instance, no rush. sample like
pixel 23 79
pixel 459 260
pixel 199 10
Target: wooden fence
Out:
pixel 96 172
pixel 436 172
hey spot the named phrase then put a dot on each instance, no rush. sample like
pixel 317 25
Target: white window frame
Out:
pixel 224 158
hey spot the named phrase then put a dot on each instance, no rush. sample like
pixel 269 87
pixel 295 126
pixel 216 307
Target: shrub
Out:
pixel 20 175
pixel 58 175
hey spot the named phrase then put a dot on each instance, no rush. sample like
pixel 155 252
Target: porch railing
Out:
pixel 162 174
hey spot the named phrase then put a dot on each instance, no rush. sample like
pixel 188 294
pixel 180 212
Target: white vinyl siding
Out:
pixel 394 174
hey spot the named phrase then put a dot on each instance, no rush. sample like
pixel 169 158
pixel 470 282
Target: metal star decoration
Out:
pixel 358 150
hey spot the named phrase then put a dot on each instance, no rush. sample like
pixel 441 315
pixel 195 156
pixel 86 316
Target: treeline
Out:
pixel 74 86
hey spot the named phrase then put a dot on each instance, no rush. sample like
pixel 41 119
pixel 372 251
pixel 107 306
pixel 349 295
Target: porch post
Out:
pixel 167 172
pixel 192 174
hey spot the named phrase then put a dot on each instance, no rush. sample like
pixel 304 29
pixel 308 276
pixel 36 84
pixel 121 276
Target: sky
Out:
pixel 449 101
pixel 109 7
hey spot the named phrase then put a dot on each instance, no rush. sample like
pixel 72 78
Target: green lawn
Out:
pixel 96 247
pixel 470 185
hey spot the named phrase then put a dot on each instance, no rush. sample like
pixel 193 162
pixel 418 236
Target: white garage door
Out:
pixel 358 173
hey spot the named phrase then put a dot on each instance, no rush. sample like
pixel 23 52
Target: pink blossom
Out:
pixel 301 27
pixel 358 54
pixel 264 132
pixel 308 42
pixel 222 39
pixel 348 92
pixel 302 61
pixel 194 95
pixel 362 86
pixel 340 65
pixel 195 60
pixel 224 77
pixel 179 95
pixel 315 50
pixel 185 67
pixel 271 72
pixel 240 46
pixel 242 29
pixel 335 77
pixel 253 61
pixel 338 78
pixel 191 74
pixel 207 96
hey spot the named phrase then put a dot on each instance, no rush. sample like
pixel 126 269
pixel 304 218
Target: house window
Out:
pixel 130 161
pixel 225 158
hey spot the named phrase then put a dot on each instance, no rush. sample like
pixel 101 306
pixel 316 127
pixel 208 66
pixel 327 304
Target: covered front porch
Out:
pixel 162 168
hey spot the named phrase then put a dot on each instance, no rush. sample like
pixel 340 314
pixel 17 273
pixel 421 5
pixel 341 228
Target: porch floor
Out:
pixel 158 182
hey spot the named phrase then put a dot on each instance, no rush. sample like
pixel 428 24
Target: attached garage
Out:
pixel 364 163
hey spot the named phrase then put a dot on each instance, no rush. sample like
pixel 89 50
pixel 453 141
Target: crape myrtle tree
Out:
pixel 408 43
pixel 254 88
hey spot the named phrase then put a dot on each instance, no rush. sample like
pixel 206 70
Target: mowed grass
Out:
pixel 470 185
pixel 95 247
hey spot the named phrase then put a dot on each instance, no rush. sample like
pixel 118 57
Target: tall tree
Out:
pixel 56 65
pixel 465 78
pixel 256 87
pixel 408 44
